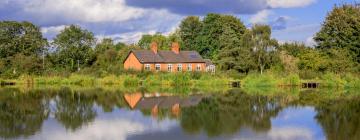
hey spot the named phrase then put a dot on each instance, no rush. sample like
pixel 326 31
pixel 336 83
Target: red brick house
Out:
pixel 167 61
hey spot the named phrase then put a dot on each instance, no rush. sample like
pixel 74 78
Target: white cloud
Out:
pixel 296 33
pixel 52 29
pixel 310 41
pixel 117 129
pixel 82 10
pixel 129 37
pixel 289 3
pixel 260 17
pixel 287 133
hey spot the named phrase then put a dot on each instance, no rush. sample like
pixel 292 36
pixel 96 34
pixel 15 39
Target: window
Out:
pixel 157 67
pixel 198 67
pixel 169 67
pixel 189 67
pixel 179 67
pixel 147 67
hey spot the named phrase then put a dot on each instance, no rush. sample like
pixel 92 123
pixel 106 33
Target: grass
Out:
pixel 252 80
pixel 328 80
pixel 155 79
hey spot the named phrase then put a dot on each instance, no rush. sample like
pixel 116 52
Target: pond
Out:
pixel 76 113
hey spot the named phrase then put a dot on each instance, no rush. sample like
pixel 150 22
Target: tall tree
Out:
pixel 74 46
pixel 20 37
pixel 264 46
pixel 213 26
pixel 341 29
pixel 190 28
pixel 21 48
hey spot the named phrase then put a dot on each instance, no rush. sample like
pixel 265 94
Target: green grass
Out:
pixel 191 79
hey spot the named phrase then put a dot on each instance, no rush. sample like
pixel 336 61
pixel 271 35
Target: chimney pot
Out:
pixel 154 47
pixel 175 47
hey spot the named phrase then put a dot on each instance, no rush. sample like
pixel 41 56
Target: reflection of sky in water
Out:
pixel 291 123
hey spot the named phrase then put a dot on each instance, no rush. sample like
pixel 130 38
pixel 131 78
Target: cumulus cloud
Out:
pixel 287 133
pixel 289 3
pixel 200 7
pixel 131 17
pixel 260 17
pixel 81 10
pixel 52 31
pixel 295 33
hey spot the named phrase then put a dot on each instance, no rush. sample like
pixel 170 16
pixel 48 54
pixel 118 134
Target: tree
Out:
pixel 73 46
pixel 341 29
pixel 313 60
pixel 236 52
pixel 20 37
pixel 163 41
pixel 21 45
pixel 294 49
pixel 264 46
pixel 189 30
pixel 104 45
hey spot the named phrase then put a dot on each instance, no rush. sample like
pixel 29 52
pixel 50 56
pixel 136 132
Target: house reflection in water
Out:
pixel 156 101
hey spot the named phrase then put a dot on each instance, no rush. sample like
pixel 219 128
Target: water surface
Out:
pixel 106 114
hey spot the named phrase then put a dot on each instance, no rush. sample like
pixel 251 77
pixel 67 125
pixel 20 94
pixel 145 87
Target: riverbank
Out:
pixel 190 79
pixel 328 80
pixel 140 79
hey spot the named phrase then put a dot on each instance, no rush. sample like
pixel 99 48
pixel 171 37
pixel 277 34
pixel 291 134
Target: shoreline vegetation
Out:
pixel 148 79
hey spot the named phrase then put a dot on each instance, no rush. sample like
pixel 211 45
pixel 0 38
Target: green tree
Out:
pixel 236 51
pixel 21 48
pixel 20 37
pixel 264 47
pixel 146 40
pixel 341 29
pixel 205 36
pixel 189 30
pixel 74 46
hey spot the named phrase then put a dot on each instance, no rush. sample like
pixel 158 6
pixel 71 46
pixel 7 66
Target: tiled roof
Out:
pixel 148 56
pixel 169 101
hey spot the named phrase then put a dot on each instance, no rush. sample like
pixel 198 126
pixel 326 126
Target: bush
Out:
pixel 257 80
pixel 352 81
pixel 291 80
pixel 130 80
pixel 333 80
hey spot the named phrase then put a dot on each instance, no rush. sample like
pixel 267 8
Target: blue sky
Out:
pixel 127 20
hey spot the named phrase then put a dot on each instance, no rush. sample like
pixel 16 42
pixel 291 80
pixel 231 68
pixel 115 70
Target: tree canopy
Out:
pixel 341 29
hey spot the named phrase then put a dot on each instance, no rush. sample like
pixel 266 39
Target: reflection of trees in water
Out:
pixel 226 114
pixel 74 109
pixel 340 119
pixel 21 115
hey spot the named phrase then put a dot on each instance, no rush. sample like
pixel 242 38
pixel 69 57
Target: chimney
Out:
pixel 175 47
pixel 154 47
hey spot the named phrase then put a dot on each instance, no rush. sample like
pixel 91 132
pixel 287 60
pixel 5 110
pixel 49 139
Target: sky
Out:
pixel 128 20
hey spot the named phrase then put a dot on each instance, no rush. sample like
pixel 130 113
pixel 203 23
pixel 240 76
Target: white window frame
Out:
pixel 198 67
pixel 147 67
pixel 158 66
pixel 189 67
pixel 179 67
pixel 169 67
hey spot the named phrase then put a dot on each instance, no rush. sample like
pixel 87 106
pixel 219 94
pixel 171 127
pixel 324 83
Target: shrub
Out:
pixel 333 80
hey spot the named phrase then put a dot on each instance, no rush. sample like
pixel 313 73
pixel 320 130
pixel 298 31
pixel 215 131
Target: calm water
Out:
pixel 106 114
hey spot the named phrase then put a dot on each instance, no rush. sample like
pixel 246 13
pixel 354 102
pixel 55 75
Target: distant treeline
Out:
pixel 223 38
